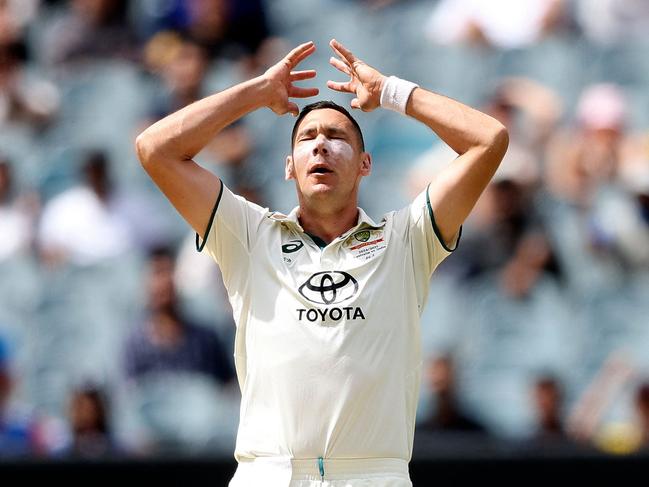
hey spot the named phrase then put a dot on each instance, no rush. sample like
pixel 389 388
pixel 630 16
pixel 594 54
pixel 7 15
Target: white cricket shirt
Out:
pixel 327 347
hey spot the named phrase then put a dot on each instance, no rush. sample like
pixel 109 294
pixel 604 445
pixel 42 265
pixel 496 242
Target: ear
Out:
pixel 289 172
pixel 366 164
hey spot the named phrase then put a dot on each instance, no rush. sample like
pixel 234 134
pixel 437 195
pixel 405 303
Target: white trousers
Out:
pixel 289 472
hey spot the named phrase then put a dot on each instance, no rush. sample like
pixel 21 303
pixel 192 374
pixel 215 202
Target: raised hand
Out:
pixel 281 77
pixel 365 81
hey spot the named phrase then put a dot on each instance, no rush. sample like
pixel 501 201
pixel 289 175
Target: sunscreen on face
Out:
pixel 335 148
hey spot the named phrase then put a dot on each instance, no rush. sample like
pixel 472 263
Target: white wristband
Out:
pixel 395 93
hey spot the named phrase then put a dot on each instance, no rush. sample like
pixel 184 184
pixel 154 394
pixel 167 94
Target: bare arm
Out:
pixel 167 147
pixel 480 140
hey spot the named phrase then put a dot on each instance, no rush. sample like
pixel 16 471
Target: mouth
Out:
pixel 320 169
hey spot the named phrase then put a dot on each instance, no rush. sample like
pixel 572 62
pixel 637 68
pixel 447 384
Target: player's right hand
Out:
pixel 281 76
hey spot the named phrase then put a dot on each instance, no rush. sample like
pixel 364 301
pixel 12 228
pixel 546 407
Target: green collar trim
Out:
pixel 317 240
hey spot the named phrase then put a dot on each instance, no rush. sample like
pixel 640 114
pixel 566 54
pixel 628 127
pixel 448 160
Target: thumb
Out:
pixel 355 103
pixel 293 109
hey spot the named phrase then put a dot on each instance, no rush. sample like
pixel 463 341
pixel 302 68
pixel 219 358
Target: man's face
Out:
pixel 160 284
pixel 327 159
pixel 185 73
pixel 5 388
pixel 547 398
pixel 5 181
pixel 440 375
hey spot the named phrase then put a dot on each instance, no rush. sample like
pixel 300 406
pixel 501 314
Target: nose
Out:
pixel 320 146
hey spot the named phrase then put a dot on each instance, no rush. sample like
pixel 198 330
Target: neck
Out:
pixel 165 330
pixel 327 224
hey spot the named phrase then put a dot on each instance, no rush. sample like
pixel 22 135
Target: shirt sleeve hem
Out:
pixel 438 234
pixel 200 245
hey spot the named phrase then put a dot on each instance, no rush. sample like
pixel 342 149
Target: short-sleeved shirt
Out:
pixel 327 347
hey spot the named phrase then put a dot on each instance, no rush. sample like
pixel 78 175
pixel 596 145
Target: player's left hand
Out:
pixel 365 81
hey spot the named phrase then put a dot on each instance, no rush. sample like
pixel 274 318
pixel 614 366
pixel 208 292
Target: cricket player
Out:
pixel 326 300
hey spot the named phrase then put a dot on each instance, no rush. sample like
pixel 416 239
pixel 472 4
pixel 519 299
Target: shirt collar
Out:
pixel 292 220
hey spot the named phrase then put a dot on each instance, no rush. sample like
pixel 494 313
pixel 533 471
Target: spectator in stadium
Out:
pixel 515 318
pixel 227 27
pixel 613 22
pixel 548 407
pixel 80 225
pixel 88 30
pixel 503 216
pixel 622 436
pixel 19 431
pixel 530 111
pixel 594 182
pixel 166 341
pixel 25 98
pixel 15 217
pixel 95 220
pixel 641 406
pixel 506 24
pixel 236 32
pixel 588 155
pixel 16 15
pixel 89 418
pixel 181 65
pixel 531 267
pixel 506 210
pixel 447 414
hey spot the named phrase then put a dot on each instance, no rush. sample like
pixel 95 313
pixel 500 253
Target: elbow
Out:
pixel 500 140
pixel 153 147
pixel 144 149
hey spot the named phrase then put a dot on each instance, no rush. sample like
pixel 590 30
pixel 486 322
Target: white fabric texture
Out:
pixel 327 349
pixel 286 472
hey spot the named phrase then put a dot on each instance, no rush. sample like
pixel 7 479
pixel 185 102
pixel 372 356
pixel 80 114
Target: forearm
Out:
pixel 166 148
pixel 183 134
pixel 461 127
pixel 481 142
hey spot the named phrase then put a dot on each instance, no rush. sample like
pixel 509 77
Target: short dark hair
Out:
pixel 319 105
pixel 161 251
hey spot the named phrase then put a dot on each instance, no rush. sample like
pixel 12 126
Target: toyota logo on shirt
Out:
pixel 329 287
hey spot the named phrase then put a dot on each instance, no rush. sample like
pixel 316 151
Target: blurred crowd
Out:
pixel 116 337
